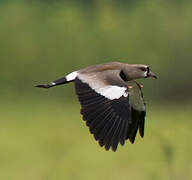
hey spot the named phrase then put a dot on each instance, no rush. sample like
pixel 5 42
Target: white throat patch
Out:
pixel 145 74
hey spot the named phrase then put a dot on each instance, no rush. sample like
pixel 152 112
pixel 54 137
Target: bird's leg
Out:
pixel 130 87
pixel 140 85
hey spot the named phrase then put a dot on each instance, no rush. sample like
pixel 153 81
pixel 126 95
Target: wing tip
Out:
pixel 132 140
pixel 141 134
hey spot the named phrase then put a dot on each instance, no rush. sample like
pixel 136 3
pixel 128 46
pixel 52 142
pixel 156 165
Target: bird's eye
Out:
pixel 143 69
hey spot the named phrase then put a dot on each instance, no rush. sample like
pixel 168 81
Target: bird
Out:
pixel 112 103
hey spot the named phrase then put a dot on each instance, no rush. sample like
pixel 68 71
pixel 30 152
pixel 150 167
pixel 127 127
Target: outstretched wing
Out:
pixel 104 99
pixel 138 111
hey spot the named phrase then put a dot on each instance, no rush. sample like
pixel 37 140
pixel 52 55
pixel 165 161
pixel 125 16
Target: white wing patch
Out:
pixel 109 91
pixel 71 76
pixel 112 92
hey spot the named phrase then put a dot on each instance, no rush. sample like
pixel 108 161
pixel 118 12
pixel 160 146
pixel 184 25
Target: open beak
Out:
pixel 151 74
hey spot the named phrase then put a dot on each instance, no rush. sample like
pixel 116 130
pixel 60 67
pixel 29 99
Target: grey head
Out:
pixel 136 71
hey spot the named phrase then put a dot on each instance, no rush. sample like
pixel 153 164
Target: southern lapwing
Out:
pixel 113 110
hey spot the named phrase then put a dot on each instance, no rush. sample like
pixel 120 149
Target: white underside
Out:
pixel 71 76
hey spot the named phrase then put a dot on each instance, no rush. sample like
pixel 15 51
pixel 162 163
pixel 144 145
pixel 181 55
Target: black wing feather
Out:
pixel 142 123
pixel 107 119
pixel 138 123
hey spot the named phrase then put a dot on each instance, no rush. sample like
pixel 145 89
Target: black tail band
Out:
pixel 54 83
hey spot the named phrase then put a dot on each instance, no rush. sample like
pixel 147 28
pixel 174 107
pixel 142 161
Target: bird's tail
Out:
pixel 69 78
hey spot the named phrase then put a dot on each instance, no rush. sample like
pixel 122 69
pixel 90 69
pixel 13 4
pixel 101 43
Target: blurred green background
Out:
pixel 41 132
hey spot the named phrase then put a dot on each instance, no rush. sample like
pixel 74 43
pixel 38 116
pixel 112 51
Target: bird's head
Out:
pixel 136 71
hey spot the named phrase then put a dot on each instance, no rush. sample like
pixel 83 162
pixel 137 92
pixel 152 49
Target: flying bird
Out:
pixel 111 100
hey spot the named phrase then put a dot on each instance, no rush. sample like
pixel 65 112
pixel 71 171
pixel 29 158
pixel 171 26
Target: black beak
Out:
pixel 151 74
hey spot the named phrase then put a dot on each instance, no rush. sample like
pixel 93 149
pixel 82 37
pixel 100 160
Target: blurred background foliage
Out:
pixel 42 40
